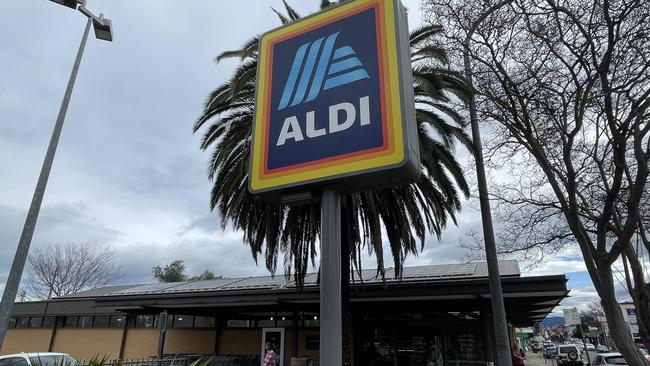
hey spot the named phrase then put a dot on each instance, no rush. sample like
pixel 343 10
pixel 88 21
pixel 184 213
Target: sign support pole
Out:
pixel 331 316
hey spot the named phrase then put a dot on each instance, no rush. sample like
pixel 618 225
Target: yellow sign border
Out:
pixel 390 157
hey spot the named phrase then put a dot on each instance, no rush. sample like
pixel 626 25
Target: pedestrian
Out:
pixel 518 357
pixel 269 356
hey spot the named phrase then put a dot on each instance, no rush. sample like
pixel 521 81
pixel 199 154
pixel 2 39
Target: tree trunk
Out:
pixel 640 292
pixel 641 298
pixel 615 321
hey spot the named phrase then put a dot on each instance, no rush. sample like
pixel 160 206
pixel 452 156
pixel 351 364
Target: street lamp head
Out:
pixel 69 3
pixel 103 29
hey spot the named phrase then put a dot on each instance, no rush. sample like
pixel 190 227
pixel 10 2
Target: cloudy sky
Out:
pixel 128 171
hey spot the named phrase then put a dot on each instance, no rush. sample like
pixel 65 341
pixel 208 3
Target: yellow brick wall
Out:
pixel 141 343
pixel 288 346
pixel 26 340
pixel 190 341
pixel 240 342
pixel 302 337
pixel 84 344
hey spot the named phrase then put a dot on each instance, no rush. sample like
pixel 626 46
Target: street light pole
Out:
pixel 502 343
pixel 22 252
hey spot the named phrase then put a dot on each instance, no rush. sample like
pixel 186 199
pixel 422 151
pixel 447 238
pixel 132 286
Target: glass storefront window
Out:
pixel 412 339
pixel 35 322
pixel 183 321
pixel 101 321
pixel 70 322
pixel 85 321
pixel 239 323
pixel 465 345
pixel 48 322
pixel 146 321
pixel 204 322
pixel 267 323
pixel 310 320
pixel 117 321
pixel 284 320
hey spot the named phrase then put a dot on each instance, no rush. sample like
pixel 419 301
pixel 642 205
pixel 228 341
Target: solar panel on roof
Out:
pixel 255 283
pixel 437 271
pixel 146 289
pixel 207 285
pixel 371 275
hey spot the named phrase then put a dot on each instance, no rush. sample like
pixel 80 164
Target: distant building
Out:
pixel 433 314
pixel 629 314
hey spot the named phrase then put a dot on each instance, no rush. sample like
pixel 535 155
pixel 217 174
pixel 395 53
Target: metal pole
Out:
pixel 331 316
pixel 503 356
pixel 18 265
pixel 162 330
pixel 584 343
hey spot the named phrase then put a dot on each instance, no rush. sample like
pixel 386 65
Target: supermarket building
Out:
pixel 438 313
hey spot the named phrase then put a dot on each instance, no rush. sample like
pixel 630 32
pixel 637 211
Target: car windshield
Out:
pixel 568 349
pixel 53 360
pixel 615 360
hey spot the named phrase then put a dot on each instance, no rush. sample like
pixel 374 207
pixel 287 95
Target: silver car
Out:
pixel 38 359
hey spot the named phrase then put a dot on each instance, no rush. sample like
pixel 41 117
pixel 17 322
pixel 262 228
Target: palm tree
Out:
pixel 407 212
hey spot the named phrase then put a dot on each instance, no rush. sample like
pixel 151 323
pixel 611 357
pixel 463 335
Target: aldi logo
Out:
pixel 346 69
pixel 334 101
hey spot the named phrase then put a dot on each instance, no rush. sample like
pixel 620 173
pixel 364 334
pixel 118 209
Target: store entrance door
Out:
pixel 276 337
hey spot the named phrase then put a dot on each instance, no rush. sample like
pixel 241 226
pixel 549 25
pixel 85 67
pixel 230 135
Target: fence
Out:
pixel 194 360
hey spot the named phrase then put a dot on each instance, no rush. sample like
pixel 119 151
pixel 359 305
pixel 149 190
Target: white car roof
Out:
pixel 610 354
pixel 34 354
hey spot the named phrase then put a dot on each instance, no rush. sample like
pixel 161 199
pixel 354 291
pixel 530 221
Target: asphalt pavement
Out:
pixel 536 359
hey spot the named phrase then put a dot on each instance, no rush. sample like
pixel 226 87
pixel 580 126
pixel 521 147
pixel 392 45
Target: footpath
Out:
pixel 536 359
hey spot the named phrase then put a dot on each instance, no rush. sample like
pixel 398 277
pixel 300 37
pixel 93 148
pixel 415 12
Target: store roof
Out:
pixel 437 287
pixel 368 277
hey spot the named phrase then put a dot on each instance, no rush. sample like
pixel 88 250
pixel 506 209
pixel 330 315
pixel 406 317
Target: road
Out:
pixel 536 359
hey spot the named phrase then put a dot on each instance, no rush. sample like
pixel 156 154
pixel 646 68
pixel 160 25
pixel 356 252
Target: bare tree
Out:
pixel 58 270
pixel 593 312
pixel 564 87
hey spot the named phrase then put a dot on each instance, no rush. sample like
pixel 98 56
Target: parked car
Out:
pixel 38 359
pixel 550 351
pixel 569 355
pixel 644 353
pixel 601 348
pixel 605 359
pixel 591 347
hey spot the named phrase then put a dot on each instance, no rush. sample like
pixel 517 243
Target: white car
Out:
pixel 38 359
pixel 601 348
pixel 568 354
pixel 605 359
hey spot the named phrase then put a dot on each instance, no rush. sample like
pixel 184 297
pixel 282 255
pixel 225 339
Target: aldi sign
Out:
pixel 334 102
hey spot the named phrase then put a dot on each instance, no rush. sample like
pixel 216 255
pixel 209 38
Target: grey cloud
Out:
pixel 128 170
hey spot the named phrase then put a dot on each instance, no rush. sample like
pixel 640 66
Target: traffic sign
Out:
pixel 334 102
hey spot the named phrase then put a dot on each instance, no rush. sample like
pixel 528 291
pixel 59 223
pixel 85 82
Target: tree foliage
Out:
pixel 175 272
pixel 564 86
pixel 58 270
pixel 407 213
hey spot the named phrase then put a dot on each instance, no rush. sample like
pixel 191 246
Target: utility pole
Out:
pixel 103 31
pixel 503 352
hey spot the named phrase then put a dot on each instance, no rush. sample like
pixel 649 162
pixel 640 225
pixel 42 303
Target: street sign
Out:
pixel 334 102
pixel 571 316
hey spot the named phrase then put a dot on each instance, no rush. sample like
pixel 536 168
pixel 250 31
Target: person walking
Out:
pixel 269 356
pixel 518 357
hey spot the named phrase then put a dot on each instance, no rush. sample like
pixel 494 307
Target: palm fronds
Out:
pixel 408 213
